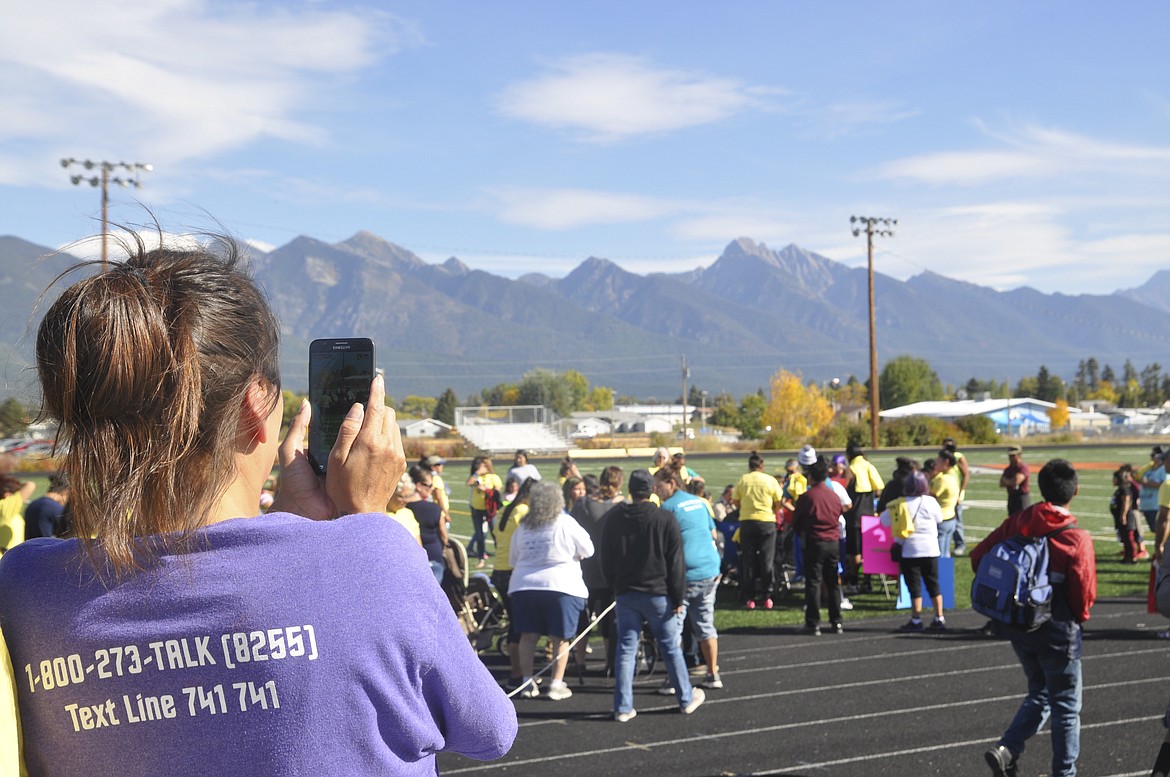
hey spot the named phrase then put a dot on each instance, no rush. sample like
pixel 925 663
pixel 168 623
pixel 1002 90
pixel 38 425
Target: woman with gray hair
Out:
pixel 547 588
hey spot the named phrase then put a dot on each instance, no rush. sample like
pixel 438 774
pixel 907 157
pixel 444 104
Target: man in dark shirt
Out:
pixel 817 519
pixel 1015 480
pixel 45 517
pixel 642 560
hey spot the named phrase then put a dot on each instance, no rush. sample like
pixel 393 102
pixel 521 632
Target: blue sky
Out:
pixel 1017 143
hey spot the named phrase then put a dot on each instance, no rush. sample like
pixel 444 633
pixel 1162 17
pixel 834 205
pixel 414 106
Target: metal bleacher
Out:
pixel 508 428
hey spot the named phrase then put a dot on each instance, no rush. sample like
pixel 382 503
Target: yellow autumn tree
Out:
pixel 1058 416
pixel 795 411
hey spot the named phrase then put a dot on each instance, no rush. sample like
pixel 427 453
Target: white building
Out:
pixel 1019 416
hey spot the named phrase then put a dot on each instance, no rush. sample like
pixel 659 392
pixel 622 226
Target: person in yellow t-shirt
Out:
pixel 439 493
pixel 14 495
pixel 397 509
pixel 758 496
pixel 944 487
pixel 483 479
pixel 867 487
pixel 510 517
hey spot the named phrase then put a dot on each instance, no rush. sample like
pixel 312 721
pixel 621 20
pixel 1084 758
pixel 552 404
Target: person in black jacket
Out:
pixel 642 560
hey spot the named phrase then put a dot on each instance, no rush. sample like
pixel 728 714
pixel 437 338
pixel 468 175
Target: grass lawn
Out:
pixel 985 509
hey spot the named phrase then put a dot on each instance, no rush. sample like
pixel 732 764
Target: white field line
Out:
pixel 835 720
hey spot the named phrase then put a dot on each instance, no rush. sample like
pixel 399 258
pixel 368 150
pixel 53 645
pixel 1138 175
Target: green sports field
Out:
pixel 984 510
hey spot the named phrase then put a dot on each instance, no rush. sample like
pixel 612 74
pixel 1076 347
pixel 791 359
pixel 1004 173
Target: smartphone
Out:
pixel 340 373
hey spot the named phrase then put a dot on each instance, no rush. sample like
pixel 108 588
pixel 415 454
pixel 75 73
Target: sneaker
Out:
pixel 837 628
pixel 959 551
pixel 625 717
pixel 751 604
pixel 666 689
pixel 558 691
pixel 1002 761
pixel 937 625
pixel 531 691
pixel 767 604
pixel 812 630
pixel 712 681
pixel 912 627
pixel 697 698
pixel 846 604
pixel 512 684
pixel 1142 555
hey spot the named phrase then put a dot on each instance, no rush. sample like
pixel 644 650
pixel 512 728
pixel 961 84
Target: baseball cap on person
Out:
pixel 434 461
pixel 807 456
pixel 1015 450
pixel 641 483
pixel 840 459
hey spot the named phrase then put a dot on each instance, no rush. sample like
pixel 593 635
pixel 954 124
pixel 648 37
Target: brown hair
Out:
pixel 667 475
pixel 611 482
pixel 146 366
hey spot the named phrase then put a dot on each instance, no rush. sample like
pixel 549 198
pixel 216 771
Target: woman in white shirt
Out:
pixel 547 588
pixel 916 508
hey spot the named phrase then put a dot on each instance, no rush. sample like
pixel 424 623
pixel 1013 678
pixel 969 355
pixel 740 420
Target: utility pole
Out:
pixel 884 229
pixel 104 180
pixel 685 374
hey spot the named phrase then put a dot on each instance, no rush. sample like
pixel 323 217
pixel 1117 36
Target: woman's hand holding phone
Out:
pixel 365 463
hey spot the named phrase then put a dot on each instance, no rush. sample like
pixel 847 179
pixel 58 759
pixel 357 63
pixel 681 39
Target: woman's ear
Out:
pixel 254 414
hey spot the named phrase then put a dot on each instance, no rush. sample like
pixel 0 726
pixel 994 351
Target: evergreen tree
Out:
pixel 445 407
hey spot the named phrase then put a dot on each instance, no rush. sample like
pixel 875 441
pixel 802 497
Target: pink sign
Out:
pixel 875 547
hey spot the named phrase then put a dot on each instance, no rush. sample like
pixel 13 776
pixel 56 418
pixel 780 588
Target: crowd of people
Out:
pixel 178 548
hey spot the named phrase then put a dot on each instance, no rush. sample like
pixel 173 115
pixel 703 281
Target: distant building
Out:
pixel 1016 417
pixel 423 427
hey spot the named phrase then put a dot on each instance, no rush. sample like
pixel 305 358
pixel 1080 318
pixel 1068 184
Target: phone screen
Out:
pixel 340 372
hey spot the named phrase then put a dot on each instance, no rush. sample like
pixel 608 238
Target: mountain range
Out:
pixel 751 312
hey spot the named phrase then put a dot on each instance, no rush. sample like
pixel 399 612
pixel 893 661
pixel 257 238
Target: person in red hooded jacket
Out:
pixel 1050 655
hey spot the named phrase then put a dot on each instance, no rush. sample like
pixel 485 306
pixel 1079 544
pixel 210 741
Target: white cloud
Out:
pixel 170 80
pixel 1031 153
pixel 611 97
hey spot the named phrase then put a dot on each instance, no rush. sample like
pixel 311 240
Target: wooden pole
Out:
pixel 873 377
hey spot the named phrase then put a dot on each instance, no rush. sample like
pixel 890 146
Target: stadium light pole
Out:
pixel 882 227
pixel 104 180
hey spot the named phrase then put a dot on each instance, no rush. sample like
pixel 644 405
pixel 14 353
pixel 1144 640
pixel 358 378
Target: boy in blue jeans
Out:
pixel 1050 655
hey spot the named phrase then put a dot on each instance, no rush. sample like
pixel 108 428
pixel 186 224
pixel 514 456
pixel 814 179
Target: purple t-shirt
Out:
pixel 279 646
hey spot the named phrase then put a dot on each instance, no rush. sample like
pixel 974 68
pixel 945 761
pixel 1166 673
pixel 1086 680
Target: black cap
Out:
pixel 641 483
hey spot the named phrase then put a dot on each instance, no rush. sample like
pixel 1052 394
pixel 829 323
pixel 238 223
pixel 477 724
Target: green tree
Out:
pixel 724 411
pixel 14 417
pixel 907 379
pixel 1026 387
pixel 751 415
pixel 1047 386
pixel 292 406
pixel 1151 390
pixel 561 392
pixel 445 407
pixel 418 407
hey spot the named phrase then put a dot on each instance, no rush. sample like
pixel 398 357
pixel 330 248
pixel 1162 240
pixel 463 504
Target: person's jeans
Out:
pixel 960 540
pixel 1054 688
pixel 946 530
pixel 477 548
pixel 632 608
